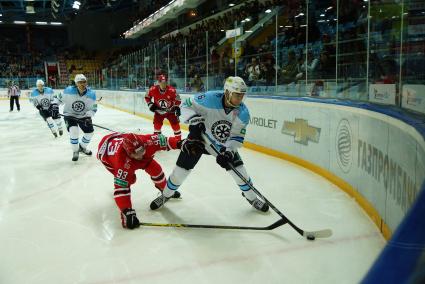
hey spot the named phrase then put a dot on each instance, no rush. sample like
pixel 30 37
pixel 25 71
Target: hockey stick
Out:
pixel 82 121
pixel 276 224
pixel 310 235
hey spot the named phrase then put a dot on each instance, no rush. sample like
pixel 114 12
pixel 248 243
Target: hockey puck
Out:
pixel 311 238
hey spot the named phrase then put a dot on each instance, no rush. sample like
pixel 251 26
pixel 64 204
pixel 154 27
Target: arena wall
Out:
pixel 376 158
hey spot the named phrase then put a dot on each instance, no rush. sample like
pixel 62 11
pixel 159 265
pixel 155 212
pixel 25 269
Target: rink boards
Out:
pixel 378 159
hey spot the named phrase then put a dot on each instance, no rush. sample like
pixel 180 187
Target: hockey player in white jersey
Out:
pixel 47 104
pixel 223 117
pixel 79 108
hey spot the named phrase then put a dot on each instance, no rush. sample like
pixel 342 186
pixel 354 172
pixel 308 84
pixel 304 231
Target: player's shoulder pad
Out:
pixel 34 92
pixel 91 94
pixel 243 113
pixel 152 88
pixel 210 99
pixel 171 89
pixel 48 90
pixel 71 90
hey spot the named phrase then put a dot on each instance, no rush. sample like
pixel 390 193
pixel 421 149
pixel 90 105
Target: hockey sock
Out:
pixel 157 175
pixel 159 181
pixel 73 134
pixel 176 178
pixel 51 124
pixel 122 197
pixel 59 123
pixel 242 185
pixel 86 139
pixel 177 131
pixel 178 134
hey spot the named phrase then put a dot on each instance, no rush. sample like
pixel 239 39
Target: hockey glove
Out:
pixel 224 158
pixel 87 121
pixel 129 219
pixel 39 107
pixel 153 107
pixel 191 146
pixel 196 127
pixel 177 111
pixel 54 110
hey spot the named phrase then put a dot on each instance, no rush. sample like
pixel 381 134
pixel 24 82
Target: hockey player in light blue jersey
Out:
pixel 223 117
pixel 79 108
pixel 46 102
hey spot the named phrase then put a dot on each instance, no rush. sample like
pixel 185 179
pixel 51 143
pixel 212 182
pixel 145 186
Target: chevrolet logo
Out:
pixel 301 131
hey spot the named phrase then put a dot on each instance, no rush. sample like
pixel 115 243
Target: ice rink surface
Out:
pixel 59 222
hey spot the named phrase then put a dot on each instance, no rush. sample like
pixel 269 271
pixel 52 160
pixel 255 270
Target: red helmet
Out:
pixel 132 144
pixel 162 78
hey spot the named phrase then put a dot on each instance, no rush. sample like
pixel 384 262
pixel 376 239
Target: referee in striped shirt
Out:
pixel 13 93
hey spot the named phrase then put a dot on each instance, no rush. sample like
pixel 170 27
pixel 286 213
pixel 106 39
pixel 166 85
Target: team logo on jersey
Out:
pixel 45 103
pixel 163 103
pixel 78 106
pixel 221 130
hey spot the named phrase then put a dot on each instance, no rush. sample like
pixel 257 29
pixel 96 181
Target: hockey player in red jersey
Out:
pixel 164 102
pixel 124 153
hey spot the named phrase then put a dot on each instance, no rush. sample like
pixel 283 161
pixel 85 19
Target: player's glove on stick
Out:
pixel 177 111
pixel 54 110
pixel 224 158
pixel 196 127
pixel 129 219
pixel 87 121
pixel 191 146
pixel 153 107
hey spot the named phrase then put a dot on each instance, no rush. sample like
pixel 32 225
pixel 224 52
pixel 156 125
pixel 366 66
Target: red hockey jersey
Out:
pixel 163 99
pixel 114 157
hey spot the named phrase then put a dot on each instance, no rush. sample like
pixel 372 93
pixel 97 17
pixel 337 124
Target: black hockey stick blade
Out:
pixel 276 224
pixel 326 233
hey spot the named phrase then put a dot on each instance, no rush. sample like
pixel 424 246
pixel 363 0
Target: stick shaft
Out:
pixel 276 224
pixel 99 126
pixel 296 228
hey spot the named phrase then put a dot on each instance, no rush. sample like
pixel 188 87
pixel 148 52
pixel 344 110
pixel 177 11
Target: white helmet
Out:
pixel 235 84
pixel 79 78
pixel 39 82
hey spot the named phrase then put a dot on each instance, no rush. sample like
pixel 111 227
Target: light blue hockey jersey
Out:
pixel 76 105
pixel 224 129
pixel 45 98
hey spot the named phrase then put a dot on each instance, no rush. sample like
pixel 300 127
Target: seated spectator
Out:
pixel 326 68
pixel 309 66
pixel 72 68
pixel 214 60
pixel 197 84
pixel 317 89
pixel 52 81
pixel 268 71
pixel 253 71
pixel 386 70
pixel 290 70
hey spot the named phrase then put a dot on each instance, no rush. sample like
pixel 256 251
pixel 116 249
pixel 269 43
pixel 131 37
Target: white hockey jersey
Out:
pixel 78 105
pixel 44 98
pixel 223 129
